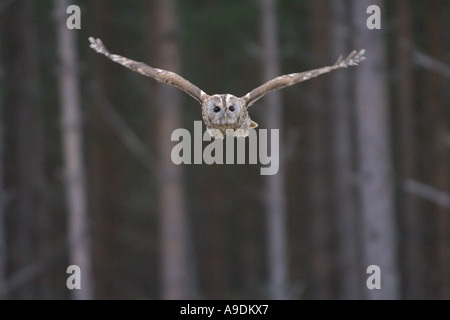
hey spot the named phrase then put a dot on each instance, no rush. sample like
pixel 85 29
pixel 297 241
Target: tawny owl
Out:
pixel 225 111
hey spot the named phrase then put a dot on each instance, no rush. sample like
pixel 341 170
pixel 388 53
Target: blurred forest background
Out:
pixel 86 175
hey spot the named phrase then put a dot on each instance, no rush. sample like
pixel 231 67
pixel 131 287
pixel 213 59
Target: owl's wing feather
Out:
pixel 290 79
pixel 157 74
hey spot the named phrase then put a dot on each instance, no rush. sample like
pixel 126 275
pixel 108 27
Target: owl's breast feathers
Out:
pixel 238 129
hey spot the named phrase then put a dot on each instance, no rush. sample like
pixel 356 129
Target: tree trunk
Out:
pixel 176 280
pixel 275 185
pixel 24 97
pixel 105 171
pixel 250 252
pixel 379 237
pixel 439 119
pixel 215 250
pixel 322 255
pixel 346 219
pixel 3 252
pixel 413 261
pixel 72 143
pixel 37 150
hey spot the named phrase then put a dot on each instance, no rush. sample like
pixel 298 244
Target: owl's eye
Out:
pixel 216 109
pixel 231 108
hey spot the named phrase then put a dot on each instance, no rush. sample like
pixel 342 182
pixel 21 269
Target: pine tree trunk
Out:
pixel 275 185
pixel 176 280
pixel 36 129
pixel 24 102
pixel 249 252
pixel 322 256
pixel 72 143
pixel 441 178
pixel 346 218
pixel 215 250
pixel 413 262
pixel 105 171
pixel 3 252
pixel 379 232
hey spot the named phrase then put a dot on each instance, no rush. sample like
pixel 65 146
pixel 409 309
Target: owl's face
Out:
pixel 224 110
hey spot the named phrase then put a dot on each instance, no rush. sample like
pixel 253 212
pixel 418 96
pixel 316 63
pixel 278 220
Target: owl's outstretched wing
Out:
pixel 157 74
pixel 290 79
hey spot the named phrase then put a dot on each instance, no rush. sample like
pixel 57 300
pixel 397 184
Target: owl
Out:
pixel 225 113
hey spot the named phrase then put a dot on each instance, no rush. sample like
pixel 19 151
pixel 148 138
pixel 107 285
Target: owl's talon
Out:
pixel 216 133
pixel 240 133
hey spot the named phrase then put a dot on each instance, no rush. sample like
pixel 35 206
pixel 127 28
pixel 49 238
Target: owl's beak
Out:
pixel 225 116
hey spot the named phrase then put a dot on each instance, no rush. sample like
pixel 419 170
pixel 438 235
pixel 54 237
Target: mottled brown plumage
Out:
pixel 222 112
pixel 290 79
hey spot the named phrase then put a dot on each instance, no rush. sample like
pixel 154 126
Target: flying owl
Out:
pixel 225 111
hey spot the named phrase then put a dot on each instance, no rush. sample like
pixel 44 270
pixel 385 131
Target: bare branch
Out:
pixel 430 63
pixel 424 191
pixel 21 278
pixel 128 137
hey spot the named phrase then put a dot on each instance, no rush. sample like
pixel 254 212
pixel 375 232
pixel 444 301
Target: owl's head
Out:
pixel 224 110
